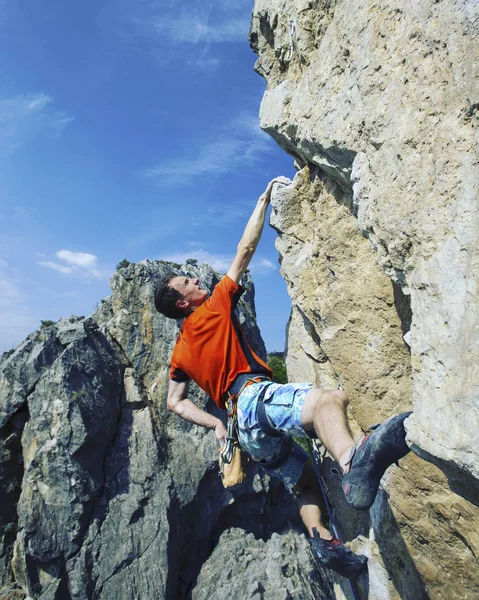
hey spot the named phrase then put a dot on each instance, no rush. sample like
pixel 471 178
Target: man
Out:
pixel 213 351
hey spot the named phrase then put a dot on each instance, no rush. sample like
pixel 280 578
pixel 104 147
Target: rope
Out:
pixel 292 30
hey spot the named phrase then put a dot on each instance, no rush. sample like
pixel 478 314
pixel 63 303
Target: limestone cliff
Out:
pixel 378 240
pixel 104 494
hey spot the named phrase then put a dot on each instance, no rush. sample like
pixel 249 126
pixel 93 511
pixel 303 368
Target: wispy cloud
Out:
pixel 24 117
pixel 78 259
pixel 185 30
pixel 202 26
pixel 240 145
pixel 262 266
pixel 55 266
pixel 74 262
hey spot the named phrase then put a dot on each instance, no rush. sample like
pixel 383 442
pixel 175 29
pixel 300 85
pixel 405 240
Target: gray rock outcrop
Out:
pixel 106 495
pixel 379 241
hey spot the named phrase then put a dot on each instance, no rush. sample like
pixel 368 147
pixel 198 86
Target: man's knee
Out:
pixel 339 397
pixel 316 400
pixel 327 397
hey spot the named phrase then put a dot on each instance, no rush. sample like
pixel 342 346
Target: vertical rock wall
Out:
pixel 378 238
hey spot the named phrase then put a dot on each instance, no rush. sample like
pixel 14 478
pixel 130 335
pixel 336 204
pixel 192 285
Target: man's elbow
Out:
pixel 174 405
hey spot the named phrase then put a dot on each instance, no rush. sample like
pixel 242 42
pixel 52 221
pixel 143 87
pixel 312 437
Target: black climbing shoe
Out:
pixel 370 457
pixel 336 556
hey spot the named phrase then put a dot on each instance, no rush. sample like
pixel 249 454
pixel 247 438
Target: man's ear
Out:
pixel 181 304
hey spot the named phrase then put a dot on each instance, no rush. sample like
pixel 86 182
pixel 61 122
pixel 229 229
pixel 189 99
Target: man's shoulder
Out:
pixel 226 289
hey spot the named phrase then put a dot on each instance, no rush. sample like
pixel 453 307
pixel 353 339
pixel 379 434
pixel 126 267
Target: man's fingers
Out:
pixel 282 180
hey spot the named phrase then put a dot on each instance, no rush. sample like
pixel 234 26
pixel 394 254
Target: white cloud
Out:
pixel 24 117
pixel 79 259
pixel 38 102
pixel 241 144
pixel 55 266
pixel 76 262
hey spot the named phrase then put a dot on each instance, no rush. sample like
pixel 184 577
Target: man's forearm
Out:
pixel 252 234
pixel 254 227
pixel 188 411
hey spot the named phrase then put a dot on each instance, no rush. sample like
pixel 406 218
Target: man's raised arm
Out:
pixel 179 404
pixel 252 233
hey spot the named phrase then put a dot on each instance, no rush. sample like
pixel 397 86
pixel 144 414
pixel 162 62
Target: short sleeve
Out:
pixel 176 372
pixel 226 295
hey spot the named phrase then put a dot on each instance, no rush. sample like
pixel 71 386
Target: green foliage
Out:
pixel 175 265
pixel 191 261
pixel 277 365
pixel 122 264
pixel 47 323
pixel 303 442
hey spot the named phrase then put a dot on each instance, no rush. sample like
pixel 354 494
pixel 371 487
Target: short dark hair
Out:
pixel 166 298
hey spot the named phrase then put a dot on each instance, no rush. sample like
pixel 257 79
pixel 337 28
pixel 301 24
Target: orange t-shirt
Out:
pixel 212 348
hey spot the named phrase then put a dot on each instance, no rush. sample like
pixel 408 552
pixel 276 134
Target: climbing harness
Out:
pixel 241 383
pixel 231 455
pixel 226 452
pixel 292 31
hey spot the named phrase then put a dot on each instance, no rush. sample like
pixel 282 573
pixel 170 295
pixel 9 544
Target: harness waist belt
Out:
pixel 242 378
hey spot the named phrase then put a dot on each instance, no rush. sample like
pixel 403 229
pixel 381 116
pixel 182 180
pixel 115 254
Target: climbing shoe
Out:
pixel 369 459
pixel 336 556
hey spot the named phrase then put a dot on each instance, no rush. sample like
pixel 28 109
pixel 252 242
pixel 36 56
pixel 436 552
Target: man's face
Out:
pixel 191 291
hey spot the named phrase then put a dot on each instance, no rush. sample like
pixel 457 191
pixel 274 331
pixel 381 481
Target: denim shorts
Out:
pixel 283 404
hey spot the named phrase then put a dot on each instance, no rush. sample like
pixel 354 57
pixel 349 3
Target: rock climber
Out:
pixel 212 350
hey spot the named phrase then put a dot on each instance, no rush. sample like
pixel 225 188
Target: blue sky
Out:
pixel 128 129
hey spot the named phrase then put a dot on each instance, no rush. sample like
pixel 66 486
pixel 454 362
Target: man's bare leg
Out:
pixel 324 412
pixel 309 494
pixel 329 551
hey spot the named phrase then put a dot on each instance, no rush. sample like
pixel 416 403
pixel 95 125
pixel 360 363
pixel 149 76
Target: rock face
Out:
pixel 106 495
pixel 379 239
